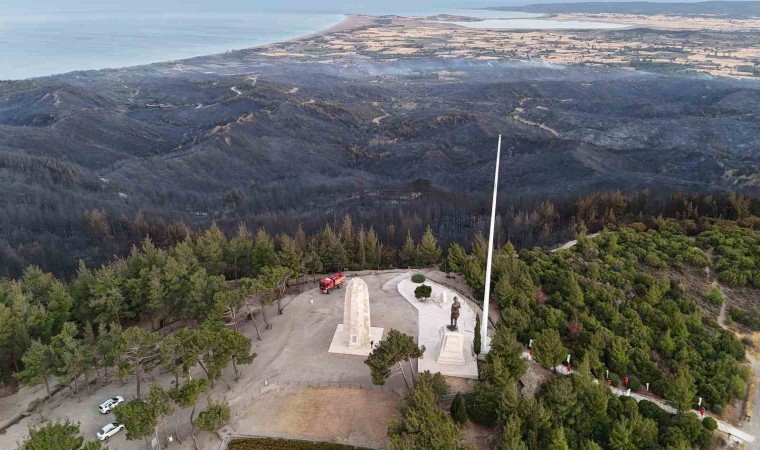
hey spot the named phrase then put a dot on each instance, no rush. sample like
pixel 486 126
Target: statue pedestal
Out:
pixel 452 348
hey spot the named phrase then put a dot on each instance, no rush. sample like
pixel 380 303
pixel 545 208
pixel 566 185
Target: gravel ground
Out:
pixel 293 351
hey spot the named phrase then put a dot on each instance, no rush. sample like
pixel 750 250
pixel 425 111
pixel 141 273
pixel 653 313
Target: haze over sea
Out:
pixel 56 36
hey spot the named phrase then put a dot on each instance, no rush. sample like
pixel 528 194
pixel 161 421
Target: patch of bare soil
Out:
pixel 8 388
pixel 743 298
pixel 461 385
pixel 534 378
pixel 343 415
pixel 475 435
pixel 478 436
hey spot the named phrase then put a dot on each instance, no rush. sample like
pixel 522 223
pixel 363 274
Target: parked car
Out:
pixel 110 404
pixel 109 430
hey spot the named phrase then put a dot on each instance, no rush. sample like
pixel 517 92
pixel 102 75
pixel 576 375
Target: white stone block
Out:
pixel 355 335
pixel 452 348
pixel 356 323
pixel 339 345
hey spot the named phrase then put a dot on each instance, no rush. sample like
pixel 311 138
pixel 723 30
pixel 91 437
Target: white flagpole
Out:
pixel 486 297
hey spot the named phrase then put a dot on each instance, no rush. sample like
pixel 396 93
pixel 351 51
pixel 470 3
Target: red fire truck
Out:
pixel 332 282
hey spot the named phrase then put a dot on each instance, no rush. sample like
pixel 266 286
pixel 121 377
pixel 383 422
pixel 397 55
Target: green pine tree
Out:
pixel 511 434
pixel 408 253
pixel 458 409
pixel 682 391
pixel 620 436
pixel 455 258
pixel 428 251
pixel 263 251
pixel 558 440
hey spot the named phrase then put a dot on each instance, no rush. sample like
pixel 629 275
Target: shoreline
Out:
pixel 348 22
pixel 397 36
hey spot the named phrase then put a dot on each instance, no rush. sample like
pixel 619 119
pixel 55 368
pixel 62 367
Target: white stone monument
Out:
pixel 355 335
pixel 452 348
pixel 442 300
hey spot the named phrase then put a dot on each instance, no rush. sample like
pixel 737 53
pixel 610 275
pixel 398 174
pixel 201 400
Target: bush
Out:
pixel 482 404
pixel 436 380
pixel 634 384
pixel 750 319
pixel 213 417
pixel 418 278
pixel 423 291
pixel 458 410
pixel 650 410
pixel 710 423
pixel 715 297
pixel 615 379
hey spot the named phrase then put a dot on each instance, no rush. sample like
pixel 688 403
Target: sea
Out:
pixel 53 37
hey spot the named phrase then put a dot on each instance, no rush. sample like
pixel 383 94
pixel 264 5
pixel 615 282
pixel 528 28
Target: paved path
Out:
pixel 433 317
pixel 666 406
pixel 753 426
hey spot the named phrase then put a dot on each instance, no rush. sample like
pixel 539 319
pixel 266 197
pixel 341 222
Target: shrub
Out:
pixel 750 319
pixel 715 297
pixel 423 291
pixel 482 404
pixel 436 381
pixel 213 417
pixel 615 379
pixel 458 410
pixel 652 411
pixel 710 423
pixel 697 257
pixel 418 278
pixel 634 383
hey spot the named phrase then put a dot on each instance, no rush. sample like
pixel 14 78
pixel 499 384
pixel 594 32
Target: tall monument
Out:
pixel 355 335
pixel 356 324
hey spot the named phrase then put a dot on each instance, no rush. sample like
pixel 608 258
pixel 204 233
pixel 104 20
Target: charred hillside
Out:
pixel 303 141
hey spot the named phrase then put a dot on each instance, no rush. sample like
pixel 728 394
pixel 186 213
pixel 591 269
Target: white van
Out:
pixel 109 430
pixel 110 404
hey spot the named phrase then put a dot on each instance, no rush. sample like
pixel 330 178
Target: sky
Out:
pixel 337 6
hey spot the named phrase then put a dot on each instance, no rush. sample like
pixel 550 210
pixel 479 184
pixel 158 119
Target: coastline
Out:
pixel 343 22
pixel 349 22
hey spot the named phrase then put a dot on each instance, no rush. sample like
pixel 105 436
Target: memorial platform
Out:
pixel 339 342
pixel 432 317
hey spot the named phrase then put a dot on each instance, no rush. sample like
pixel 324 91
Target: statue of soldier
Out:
pixel 454 314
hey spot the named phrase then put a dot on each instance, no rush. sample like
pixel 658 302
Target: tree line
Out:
pixel 201 277
pixel 74 216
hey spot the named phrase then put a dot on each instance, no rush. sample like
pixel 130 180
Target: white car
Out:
pixel 109 430
pixel 110 404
